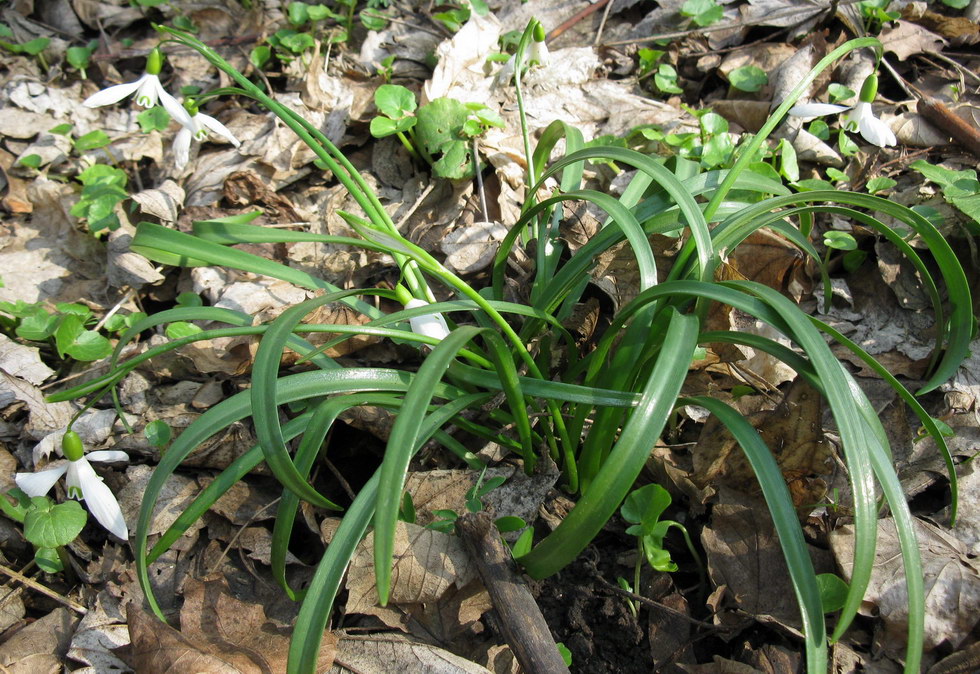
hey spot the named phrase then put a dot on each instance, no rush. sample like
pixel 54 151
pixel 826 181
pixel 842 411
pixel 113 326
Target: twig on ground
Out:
pixel 591 9
pixel 46 591
pixel 521 620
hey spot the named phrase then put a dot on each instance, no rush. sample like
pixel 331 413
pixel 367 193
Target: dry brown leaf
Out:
pixel 904 39
pixel 22 361
pixel 176 495
pixel 12 610
pixel 958 29
pixel 744 554
pixel 433 582
pixel 520 496
pixel 163 202
pixel 101 630
pixel 794 435
pixel 394 653
pixel 40 647
pixel 472 248
pixel 913 129
pixel 770 259
pixel 950 575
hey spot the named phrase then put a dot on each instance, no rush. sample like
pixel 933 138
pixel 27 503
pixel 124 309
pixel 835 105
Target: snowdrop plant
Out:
pixel 147 90
pixel 83 482
pixel 856 118
pixel 596 412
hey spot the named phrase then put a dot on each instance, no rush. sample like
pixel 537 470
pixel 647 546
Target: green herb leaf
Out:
pixel 47 525
pixel 748 78
pixel 153 119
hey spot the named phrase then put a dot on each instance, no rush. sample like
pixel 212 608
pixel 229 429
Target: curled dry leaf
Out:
pixel 101 630
pixel 22 361
pixel 163 202
pixel 744 554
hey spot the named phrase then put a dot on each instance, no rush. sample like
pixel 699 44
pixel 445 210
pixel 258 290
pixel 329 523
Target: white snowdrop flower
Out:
pixel 858 118
pixel 430 325
pixel 197 127
pixel 83 482
pixel 148 91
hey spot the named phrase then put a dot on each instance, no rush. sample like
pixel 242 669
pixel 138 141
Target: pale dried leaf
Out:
pixel 45 417
pixel 176 495
pixel 472 248
pixel 12 610
pixel 22 361
pixel 102 629
pixel 460 73
pixel 393 653
pixel 912 129
pixel 966 381
pixel 426 564
pixel 24 124
pixel 40 647
pixel 905 39
pixel 950 575
pixel 163 202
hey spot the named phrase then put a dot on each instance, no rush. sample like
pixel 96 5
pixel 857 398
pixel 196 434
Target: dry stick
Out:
pixel 523 625
pixel 938 114
pixel 602 24
pixel 591 9
pixel 47 592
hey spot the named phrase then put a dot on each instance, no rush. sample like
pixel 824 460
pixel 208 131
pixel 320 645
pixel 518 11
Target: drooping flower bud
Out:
pixel 154 62
pixel 71 446
pixel 869 90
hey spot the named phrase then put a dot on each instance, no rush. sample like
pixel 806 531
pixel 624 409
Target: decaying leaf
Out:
pixel 951 577
pixel 744 555
pixel 219 633
pixel 101 630
pixel 163 202
pixel 40 647
pixel 395 653
pixel 22 361
pixel 433 582
pixel 793 433
pixel 905 39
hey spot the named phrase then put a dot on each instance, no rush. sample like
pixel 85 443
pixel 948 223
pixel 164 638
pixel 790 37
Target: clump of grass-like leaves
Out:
pixel 597 416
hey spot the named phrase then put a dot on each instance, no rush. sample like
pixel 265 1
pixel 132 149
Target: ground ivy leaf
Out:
pixel 89 346
pixel 394 101
pixel 49 525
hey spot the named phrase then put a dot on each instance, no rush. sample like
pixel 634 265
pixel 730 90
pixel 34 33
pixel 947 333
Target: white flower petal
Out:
pixel 99 499
pixel 853 119
pixel 113 94
pixel 40 483
pixel 174 108
pixel 106 455
pixel 430 325
pixel 876 132
pixel 816 109
pixel 219 128
pixel 182 147
pixel 149 91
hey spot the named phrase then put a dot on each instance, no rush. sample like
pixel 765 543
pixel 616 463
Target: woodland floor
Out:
pixel 216 584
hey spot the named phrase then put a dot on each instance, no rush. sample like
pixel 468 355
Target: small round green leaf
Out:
pixel 839 240
pixel 47 525
pixel 394 101
pixel 748 78
pixel 157 433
